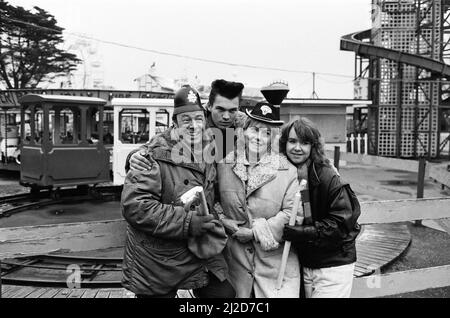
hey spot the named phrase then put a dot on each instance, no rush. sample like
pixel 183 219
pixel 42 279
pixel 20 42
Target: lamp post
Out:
pixel 275 93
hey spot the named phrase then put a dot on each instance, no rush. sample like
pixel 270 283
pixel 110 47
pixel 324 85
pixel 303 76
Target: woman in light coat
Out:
pixel 257 187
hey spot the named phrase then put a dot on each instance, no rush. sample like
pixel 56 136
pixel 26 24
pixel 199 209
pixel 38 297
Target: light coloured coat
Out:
pixel 262 196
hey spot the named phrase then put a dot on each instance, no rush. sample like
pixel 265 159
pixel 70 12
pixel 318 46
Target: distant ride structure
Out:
pixel 403 64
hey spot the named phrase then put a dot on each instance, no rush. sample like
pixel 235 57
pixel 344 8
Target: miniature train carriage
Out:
pixel 136 121
pixel 62 141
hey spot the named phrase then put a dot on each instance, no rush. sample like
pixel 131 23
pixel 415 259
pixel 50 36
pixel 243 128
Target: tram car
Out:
pixel 62 141
pixel 9 138
pixel 136 120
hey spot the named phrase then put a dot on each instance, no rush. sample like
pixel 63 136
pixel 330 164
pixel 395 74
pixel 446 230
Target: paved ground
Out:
pixel 429 247
pixel 374 184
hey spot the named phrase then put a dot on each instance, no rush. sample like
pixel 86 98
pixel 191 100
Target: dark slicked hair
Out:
pixel 307 133
pixel 226 89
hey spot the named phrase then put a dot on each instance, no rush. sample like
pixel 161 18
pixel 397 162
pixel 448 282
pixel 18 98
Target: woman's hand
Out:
pixel 231 225
pixel 243 235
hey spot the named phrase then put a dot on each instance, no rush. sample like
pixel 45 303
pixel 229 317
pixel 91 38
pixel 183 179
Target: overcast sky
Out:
pixel 289 34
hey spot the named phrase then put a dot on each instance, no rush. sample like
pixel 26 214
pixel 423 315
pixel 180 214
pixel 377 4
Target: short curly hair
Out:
pixel 307 132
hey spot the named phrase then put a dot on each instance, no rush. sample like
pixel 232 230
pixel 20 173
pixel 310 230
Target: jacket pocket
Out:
pixel 170 252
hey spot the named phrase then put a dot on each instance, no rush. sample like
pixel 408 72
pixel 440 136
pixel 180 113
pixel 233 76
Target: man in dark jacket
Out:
pixel 158 256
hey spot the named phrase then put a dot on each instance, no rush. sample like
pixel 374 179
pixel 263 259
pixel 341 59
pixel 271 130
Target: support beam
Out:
pixel 377 212
pixel 401 282
pixel 384 162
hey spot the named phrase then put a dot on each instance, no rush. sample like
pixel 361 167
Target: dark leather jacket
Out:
pixel 335 227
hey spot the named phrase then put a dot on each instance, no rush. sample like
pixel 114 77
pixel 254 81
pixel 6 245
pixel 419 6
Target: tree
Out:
pixel 29 47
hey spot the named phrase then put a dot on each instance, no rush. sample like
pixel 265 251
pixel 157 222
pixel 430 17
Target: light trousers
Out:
pixel 330 282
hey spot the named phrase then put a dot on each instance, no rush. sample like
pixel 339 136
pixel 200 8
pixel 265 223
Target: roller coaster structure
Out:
pixel 403 60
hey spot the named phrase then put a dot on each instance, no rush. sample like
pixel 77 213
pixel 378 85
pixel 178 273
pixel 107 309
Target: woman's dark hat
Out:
pixel 186 100
pixel 266 113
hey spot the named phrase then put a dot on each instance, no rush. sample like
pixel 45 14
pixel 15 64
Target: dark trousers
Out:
pixel 169 295
pixel 214 289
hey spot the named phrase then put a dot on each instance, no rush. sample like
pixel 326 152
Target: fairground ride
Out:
pixel 403 61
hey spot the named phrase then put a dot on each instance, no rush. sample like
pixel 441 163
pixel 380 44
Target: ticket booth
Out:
pixel 62 142
pixel 136 121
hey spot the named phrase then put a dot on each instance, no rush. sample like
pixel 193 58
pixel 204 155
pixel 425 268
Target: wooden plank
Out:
pixel 373 256
pixel 380 253
pixel 384 229
pixel 128 294
pixel 360 271
pixel 379 248
pixel 6 288
pixel 37 293
pixel 383 242
pixel 90 293
pixel 184 293
pixel 70 237
pixel 376 251
pixel 63 293
pixel 77 293
pixel 116 293
pixel 388 235
pixel 364 268
pixel 376 212
pixel 370 265
pixel 24 292
pixel 11 291
pixel 50 293
pixel 384 162
pixel 103 293
pixel 401 282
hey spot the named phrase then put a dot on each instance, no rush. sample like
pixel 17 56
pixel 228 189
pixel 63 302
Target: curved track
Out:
pixel 55 270
pixel 358 43
pixel 22 202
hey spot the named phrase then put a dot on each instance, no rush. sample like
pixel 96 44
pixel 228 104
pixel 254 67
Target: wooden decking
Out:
pixel 10 291
pixel 377 246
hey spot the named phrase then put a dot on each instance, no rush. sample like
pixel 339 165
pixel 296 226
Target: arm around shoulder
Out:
pixel 142 207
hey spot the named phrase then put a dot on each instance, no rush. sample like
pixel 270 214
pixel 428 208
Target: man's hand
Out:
pixel 193 204
pixel 300 233
pixel 243 235
pixel 138 162
pixel 231 225
pixel 200 224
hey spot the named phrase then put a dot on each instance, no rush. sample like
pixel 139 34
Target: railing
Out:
pixel 378 285
pixel 357 143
